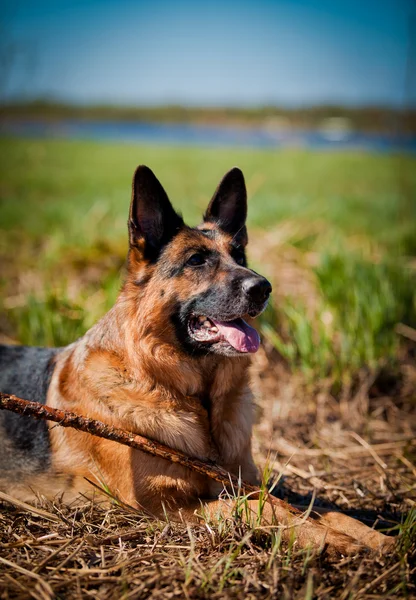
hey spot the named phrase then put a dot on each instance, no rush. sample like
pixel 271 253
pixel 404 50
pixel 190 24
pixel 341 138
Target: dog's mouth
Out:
pixel 236 333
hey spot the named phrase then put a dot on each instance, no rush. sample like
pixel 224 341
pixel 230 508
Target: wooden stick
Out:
pixel 100 429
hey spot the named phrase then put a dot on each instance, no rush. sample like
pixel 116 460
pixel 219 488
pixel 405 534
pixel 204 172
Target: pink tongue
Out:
pixel 240 336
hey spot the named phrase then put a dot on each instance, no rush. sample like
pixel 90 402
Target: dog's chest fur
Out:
pixel 206 413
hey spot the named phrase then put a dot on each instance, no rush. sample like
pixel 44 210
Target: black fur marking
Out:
pixel 228 206
pixel 211 256
pixel 238 254
pixel 25 372
pixel 180 317
pixel 206 403
pixel 152 216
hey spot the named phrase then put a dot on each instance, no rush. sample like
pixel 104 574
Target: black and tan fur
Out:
pixel 141 368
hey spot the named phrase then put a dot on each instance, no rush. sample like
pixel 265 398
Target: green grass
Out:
pixel 359 303
pixel 84 187
pixel 63 240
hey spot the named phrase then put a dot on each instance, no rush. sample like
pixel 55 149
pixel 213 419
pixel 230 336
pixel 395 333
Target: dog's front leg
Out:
pixel 264 515
pixel 362 533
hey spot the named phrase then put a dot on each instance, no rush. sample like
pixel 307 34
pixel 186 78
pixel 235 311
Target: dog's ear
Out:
pixel 152 222
pixel 228 207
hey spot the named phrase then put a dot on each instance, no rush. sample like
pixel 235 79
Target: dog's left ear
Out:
pixel 228 207
pixel 153 221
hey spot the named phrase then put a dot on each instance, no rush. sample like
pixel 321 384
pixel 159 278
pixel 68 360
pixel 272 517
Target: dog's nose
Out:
pixel 257 288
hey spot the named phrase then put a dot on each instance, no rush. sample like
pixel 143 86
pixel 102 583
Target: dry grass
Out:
pixel 90 549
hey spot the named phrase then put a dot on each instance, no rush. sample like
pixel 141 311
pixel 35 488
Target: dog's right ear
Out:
pixel 152 221
pixel 228 206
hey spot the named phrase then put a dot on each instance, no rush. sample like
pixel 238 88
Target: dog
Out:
pixel 169 361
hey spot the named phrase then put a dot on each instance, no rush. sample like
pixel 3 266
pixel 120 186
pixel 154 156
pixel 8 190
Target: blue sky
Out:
pixel 293 53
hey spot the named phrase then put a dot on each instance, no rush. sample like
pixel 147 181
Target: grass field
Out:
pixel 336 235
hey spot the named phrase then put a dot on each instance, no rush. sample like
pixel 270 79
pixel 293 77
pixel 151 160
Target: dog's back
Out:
pixel 26 372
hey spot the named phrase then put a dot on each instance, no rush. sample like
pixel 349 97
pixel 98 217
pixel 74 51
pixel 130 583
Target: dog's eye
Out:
pixel 196 260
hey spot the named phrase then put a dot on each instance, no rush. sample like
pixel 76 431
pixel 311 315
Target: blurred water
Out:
pixel 203 135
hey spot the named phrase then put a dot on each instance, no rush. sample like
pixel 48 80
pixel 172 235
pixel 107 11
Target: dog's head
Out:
pixel 195 281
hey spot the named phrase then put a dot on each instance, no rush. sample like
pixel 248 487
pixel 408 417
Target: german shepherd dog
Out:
pixel 169 361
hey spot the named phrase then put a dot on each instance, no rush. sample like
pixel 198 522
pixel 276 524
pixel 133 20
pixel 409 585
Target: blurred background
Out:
pixel 314 100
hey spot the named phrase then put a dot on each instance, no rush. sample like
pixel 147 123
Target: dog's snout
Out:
pixel 257 288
